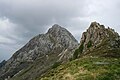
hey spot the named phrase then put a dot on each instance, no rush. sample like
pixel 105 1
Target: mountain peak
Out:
pixel 57 44
pixel 56 25
pixel 57 31
pixel 98 41
pixel 96 25
pixel 95 34
pixel 55 28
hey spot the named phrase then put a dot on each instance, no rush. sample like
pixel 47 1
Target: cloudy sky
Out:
pixel 20 20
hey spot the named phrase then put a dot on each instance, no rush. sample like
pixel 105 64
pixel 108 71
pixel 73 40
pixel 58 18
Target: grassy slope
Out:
pixel 86 68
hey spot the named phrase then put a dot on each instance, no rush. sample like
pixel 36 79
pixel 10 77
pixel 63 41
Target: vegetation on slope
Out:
pixel 78 52
pixel 87 68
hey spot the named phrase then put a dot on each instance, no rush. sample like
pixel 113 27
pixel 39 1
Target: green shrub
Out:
pixel 70 59
pixel 81 48
pixel 78 51
pixel 56 64
pixel 89 44
pixel 75 55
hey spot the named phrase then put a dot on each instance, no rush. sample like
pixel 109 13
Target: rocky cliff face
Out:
pixel 41 52
pixel 100 38
pixel 95 34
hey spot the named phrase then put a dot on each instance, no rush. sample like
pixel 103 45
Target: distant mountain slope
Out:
pixel 97 58
pixel 39 54
pixel 2 63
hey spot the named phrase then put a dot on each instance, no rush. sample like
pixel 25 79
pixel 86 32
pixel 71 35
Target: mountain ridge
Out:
pixel 56 53
pixel 96 58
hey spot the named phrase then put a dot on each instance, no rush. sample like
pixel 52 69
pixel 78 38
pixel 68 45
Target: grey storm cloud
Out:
pixel 34 14
pixel 20 20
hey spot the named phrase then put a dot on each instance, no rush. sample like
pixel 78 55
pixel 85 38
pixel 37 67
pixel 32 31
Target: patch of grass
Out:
pixel 85 69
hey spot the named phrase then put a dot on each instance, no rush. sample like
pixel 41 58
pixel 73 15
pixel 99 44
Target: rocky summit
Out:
pixel 39 54
pixel 101 38
pixel 95 34
pixel 56 55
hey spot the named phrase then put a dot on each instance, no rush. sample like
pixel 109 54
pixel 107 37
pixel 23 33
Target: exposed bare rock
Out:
pixel 98 41
pixel 42 51
pixel 95 34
